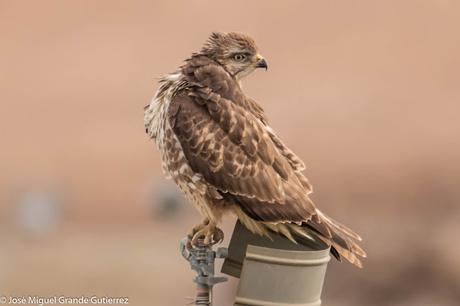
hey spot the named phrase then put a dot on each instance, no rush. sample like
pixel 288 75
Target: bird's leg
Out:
pixel 208 231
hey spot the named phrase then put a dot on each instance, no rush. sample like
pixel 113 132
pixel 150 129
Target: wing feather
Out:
pixel 225 140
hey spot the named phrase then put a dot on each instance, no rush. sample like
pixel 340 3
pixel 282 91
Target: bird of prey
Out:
pixel 218 147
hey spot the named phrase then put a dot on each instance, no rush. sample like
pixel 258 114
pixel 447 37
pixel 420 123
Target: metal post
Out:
pixel 201 259
pixel 275 271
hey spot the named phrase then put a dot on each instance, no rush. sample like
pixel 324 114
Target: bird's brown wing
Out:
pixel 232 150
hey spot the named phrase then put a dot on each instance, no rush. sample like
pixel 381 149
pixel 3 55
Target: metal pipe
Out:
pixel 274 271
pixel 201 258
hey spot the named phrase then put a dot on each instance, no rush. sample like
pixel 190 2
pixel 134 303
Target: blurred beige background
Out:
pixel 366 92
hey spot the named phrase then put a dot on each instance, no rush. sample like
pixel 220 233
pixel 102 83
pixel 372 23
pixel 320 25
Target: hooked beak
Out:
pixel 261 63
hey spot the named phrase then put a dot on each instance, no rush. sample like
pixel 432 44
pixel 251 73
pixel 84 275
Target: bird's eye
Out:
pixel 239 57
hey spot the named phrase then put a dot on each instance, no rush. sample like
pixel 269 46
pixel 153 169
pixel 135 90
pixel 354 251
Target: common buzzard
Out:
pixel 218 147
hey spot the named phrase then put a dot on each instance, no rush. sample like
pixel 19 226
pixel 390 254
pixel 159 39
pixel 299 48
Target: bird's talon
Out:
pixel 208 232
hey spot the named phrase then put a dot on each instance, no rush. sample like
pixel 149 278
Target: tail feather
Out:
pixel 339 226
pixel 340 238
pixel 344 252
pixel 281 228
pixel 298 231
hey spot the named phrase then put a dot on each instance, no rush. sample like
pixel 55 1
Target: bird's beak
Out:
pixel 261 62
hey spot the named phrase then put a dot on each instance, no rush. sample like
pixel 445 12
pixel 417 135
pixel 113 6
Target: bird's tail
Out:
pixel 341 239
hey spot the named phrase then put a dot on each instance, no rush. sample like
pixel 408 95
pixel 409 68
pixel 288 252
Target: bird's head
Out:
pixel 236 52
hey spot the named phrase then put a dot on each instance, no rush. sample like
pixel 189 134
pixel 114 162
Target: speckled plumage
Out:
pixel 217 146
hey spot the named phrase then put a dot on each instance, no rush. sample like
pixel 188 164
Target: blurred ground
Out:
pixel 366 92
